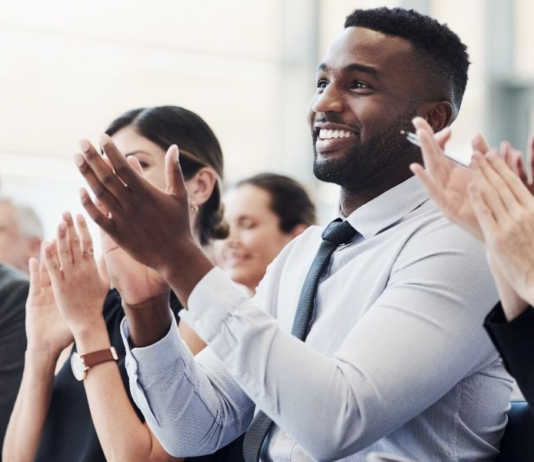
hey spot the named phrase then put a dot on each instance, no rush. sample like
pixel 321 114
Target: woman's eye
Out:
pixel 322 84
pixel 143 164
pixel 247 224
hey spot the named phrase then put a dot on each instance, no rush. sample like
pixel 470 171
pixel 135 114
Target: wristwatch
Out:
pixel 80 364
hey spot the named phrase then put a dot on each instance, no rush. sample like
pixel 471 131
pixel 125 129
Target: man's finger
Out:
pixel 120 165
pixel 135 164
pixel 173 172
pixel 104 183
pixel 104 221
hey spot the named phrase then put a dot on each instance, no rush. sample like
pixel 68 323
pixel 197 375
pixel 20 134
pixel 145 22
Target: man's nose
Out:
pixel 329 100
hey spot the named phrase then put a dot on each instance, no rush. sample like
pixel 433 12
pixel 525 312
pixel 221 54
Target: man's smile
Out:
pixel 329 137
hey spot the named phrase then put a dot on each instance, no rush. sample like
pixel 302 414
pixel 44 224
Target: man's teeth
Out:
pixel 329 134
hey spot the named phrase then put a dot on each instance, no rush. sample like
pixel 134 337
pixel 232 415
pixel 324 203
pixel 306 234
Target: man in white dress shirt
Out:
pixel 396 359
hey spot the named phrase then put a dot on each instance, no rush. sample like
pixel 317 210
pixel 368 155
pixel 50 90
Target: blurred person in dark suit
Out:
pixel 13 292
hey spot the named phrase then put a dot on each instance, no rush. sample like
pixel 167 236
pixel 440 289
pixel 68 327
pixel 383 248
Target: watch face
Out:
pixel 78 367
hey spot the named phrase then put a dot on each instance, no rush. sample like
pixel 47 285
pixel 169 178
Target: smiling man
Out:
pixel 387 353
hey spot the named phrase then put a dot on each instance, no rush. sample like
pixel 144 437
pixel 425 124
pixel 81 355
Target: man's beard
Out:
pixel 364 161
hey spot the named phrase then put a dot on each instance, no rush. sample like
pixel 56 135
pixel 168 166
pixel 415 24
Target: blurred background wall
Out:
pixel 69 68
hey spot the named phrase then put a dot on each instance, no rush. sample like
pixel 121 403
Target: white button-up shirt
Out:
pixel 396 360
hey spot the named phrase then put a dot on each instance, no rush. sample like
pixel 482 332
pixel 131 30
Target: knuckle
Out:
pixel 84 168
pixel 122 168
pixel 86 200
pixel 91 154
pixel 100 220
pixel 108 179
pixel 99 191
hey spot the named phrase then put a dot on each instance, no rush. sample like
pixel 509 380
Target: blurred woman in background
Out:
pixel 264 213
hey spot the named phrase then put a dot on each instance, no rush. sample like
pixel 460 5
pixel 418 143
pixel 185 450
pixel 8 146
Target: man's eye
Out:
pixel 322 84
pixel 359 85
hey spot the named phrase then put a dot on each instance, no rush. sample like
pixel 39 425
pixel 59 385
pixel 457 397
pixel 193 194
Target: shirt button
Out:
pixel 199 324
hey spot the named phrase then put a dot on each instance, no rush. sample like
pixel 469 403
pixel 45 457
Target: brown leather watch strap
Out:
pixel 100 356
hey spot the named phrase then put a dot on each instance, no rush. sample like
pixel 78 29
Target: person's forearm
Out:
pixel 190 337
pixel 184 269
pixel 148 321
pixel 185 265
pixel 31 407
pixel 513 305
pixel 122 435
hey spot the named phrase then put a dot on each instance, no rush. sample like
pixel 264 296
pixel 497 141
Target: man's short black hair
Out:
pixel 439 52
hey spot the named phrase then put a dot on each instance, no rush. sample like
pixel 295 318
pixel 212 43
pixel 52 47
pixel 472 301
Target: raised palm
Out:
pixel 135 282
pixel 445 181
pixel 45 328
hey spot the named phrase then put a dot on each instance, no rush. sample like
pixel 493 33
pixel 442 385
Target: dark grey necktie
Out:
pixel 334 235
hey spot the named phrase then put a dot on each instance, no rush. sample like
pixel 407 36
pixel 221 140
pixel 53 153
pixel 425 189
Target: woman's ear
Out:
pixel 201 186
pixel 438 114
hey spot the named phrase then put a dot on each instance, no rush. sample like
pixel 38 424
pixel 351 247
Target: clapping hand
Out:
pixel 504 208
pixel 78 288
pixel 148 223
pixel 46 330
pixel 135 282
pixel 445 181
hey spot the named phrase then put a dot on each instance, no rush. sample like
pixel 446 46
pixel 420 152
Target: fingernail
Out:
pixel 104 139
pixel 85 145
pixel 177 151
pixel 78 160
pixel 67 216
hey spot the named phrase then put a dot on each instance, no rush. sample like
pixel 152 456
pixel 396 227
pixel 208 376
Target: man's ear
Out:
pixel 201 186
pixel 438 114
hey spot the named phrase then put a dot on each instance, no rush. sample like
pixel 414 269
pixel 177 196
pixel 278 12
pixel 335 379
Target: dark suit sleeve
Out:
pixel 515 342
pixel 13 294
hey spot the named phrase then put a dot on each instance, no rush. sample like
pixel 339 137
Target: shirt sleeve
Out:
pixel 190 412
pixel 515 341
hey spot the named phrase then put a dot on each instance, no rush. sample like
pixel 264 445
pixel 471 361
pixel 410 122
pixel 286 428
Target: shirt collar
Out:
pixel 388 208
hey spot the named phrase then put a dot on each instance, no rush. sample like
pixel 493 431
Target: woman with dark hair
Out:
pixel 264 212
pixel 87 413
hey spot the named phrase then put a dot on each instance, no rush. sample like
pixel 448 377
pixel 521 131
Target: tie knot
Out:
pixel 339 232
